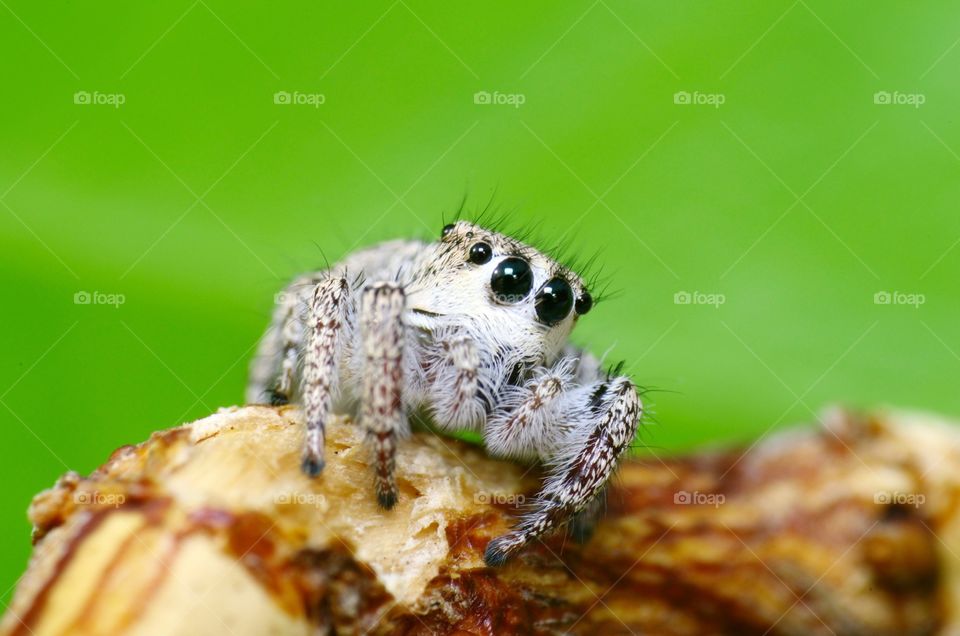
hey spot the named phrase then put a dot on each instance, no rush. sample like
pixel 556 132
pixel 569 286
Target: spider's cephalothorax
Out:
pixel 473 330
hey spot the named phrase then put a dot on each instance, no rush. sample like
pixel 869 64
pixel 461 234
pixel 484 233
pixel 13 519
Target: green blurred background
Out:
pixel 794 201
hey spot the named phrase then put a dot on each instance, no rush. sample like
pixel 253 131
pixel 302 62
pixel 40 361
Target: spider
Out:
pixel 471 329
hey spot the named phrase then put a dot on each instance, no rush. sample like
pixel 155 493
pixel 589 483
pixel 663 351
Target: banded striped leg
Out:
pixel 273 371
pixel 455 386
pixel 291 331
pixel 382 412
pixel 610 413
pixel 331 313
pixel 525 425
pixel 585 522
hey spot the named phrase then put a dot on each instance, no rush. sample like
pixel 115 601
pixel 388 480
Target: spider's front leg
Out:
pixel 602 419
pixel 330 315
pixel 382 413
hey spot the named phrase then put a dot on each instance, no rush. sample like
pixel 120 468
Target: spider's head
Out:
pixel 494 280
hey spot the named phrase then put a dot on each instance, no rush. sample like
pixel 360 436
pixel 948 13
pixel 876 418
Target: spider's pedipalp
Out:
pixel 454 371
pixel 528 422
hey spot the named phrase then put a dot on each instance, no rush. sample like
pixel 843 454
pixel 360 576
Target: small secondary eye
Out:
pixel 511 280
pixel 554 301
pixel 447 229
pixel 584 303
pixel 480 253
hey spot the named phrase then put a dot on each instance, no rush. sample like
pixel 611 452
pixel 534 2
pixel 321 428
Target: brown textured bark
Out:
pixel 851 528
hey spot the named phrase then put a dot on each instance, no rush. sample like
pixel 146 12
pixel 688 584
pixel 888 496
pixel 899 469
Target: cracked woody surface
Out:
pixel 789 538
pixel 770 186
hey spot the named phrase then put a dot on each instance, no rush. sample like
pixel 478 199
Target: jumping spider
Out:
pixel 473 330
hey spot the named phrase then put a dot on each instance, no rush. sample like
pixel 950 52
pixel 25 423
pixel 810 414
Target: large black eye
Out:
pixel 554 301
pixel 511 280
pixel 584 303
pixel 480 253
pixel 447 229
